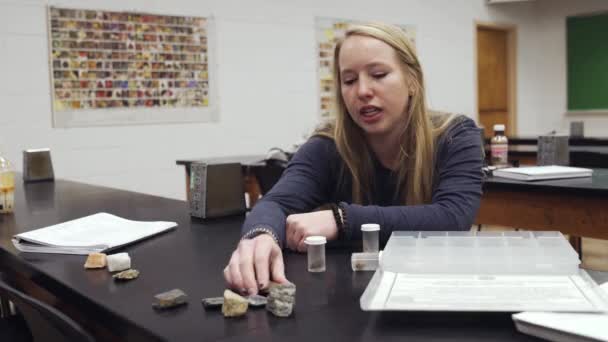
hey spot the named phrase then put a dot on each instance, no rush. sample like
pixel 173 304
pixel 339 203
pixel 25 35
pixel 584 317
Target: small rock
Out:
pixel 213 302
pixel 257 300
pixel 285 292
pixel 170 299
pixel 279 308
pixel 126 275
pixel 118 262
pixel 95 260
pixel 281 299
pixel 216 302
pixel 234 305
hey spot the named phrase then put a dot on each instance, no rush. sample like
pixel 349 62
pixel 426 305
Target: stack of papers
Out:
pixel 95 233
pixel 542 172
pixel 389 291
pixel 563 326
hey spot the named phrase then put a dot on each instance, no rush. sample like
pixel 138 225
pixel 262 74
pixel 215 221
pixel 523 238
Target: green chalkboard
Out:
pixel 587 44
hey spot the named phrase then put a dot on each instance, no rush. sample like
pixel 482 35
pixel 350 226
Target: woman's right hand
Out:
pixel 253 264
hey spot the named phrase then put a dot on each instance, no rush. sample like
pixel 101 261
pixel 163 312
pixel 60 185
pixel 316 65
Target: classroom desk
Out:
pixel 575 206
pixel 192 257
pixel 584 152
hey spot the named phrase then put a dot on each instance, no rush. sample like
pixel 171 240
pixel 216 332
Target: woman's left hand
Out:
pixel 301 226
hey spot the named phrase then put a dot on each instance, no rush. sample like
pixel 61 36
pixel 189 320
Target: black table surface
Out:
pixel 192 258
pixel 596 185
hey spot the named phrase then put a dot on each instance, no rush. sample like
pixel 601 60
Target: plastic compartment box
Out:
pixel 485 271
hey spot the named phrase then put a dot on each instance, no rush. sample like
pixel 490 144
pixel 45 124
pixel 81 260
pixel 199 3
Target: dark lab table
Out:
pixel 192 258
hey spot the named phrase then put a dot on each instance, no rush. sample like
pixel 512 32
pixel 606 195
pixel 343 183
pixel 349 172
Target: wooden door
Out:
pixel 492 78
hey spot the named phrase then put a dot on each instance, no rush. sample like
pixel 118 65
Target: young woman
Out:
pixel 385 159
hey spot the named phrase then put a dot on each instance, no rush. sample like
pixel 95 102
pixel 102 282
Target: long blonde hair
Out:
pixel 417 147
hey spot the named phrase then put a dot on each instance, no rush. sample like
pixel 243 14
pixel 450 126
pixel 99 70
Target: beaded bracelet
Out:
pixel 261 230
pixel 344 219
pixel 336 211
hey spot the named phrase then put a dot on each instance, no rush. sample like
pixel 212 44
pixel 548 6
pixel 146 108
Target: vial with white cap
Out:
pixel 371 237
pixel 316 253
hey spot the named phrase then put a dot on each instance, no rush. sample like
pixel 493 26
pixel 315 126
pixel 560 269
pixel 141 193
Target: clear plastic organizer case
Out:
pixel 479 253
pixel 484 271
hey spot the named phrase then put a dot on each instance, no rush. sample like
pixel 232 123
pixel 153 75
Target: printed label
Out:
pixel 499 154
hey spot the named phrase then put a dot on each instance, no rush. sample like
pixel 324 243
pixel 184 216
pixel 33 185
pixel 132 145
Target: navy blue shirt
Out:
pixel 316 176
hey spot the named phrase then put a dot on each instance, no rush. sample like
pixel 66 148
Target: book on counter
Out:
pixel 532 173
pixel 563 326
pixel 99 232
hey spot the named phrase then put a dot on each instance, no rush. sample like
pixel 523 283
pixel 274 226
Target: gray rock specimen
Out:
pixel 126 275
pixel 213 302
pixel 281 299
pixel 234 305
pixel 257 300
pixel 170 299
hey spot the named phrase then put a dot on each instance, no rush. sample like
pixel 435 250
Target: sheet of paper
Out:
pixel 591 325
pixel 550 324
pixel 486 293
pixel 95 232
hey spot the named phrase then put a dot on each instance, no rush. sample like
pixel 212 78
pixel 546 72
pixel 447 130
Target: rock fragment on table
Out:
pixel 118 262
pixel 257 300
pixel 281 299
pixel 234 305
pixel 213 302
pixel 170 299
pixel 95 260
pixel 126 275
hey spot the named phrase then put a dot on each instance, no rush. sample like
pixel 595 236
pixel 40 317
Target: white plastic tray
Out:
pixel 494 272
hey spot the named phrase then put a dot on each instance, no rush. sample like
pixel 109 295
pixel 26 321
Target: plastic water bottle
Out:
pixel 7 187
pixel 499 147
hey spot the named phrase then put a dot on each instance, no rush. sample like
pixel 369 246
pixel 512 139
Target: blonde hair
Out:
pixel 417 150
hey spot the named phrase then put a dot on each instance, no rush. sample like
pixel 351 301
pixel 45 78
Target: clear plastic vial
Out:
pixel 316 253
pixel 7 187
pixel 371 237
pixel 499 147
pixel 365 261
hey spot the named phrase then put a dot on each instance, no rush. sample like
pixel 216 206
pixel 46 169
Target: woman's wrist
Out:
pixel 259 231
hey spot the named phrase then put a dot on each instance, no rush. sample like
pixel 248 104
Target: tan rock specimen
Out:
pixel 126 275
pixel 96 260
pixel 234 305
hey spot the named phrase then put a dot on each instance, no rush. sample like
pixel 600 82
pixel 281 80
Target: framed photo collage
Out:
pixel 128 61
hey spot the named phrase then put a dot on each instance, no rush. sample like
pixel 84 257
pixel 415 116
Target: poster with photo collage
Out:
pixel 328 32
pixel 109 60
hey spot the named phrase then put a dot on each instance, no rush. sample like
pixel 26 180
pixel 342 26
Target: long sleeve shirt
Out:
pixel 315 176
